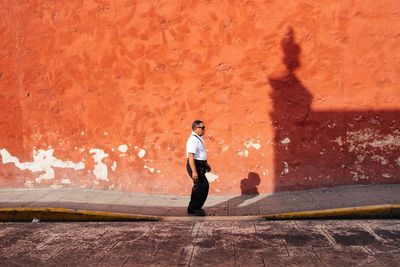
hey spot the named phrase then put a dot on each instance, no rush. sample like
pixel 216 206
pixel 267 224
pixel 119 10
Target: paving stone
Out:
pixel 204 243
pixel 80 196
pixel 31 196
pixel 349 256
pixel 9 195
pixel 272 204
pixel 303 256
pixel 360 196
pixel 351 236
pixel 107 198
pixel 330 199
pixel 390 194
pixel 54 195
pixel 300 201
pixel 134 199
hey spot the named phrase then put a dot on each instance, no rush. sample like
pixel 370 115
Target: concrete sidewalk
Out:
pixel 170 205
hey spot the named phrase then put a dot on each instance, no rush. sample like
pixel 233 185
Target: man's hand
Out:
pixel 195 177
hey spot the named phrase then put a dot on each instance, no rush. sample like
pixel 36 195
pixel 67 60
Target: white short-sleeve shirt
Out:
pixel 195 145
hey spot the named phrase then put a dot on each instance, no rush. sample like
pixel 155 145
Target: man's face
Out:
pixel 200 129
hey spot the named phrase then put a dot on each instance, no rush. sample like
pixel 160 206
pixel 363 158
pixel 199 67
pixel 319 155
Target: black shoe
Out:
pixel 195 212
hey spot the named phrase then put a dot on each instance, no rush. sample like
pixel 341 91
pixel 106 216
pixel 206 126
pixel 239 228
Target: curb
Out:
pixel 212 218
pixel 68 215
pixel 388 211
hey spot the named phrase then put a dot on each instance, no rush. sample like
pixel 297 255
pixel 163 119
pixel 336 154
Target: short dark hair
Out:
pixel 196 124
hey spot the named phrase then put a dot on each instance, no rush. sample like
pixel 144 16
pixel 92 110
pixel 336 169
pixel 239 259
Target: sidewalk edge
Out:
pixel 67 215
pixel 362 212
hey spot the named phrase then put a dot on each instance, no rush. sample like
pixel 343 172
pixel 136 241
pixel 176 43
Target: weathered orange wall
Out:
pixel 294 94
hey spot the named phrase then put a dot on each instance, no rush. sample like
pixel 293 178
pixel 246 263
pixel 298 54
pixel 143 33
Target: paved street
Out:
pixel 198 243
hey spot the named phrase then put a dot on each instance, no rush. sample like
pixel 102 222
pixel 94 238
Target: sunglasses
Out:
pixel 201 127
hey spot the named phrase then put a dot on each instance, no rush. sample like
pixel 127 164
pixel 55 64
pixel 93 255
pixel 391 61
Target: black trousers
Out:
pixel 200 188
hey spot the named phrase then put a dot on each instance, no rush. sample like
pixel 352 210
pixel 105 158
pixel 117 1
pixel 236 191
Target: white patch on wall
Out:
pixel 244 153
pixel 380 159
pixel 225 148
pixel 398 161
pixel 285 141
pixel 360 140
pixel 28 184
pixel 123 148
pixel 65 181
pixel 43 161
pixel 252 143
pixel 114 166
pixel 285 168
pixel 360 158
pixel 211 177
pixel 100 169
pixel 141 153
pixel 149 168
pixel 339 141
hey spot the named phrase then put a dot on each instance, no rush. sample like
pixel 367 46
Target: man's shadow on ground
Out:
pixel 243 203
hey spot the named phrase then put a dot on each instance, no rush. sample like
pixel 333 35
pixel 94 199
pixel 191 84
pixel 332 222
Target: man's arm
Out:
pixel 195 176
pixel 208 167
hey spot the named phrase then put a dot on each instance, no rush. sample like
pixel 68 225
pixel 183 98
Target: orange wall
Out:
pixel 294 94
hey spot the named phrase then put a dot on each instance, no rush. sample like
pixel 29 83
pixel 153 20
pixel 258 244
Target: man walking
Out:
pixel 197 167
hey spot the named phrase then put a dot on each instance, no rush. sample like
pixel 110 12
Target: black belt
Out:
pixel 199 162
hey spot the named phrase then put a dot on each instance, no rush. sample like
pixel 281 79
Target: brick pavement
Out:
pixel 202 243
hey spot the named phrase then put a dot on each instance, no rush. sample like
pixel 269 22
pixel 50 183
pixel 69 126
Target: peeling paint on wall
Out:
pixel 339 141
pixel 100 169
pixel 285 141
pixel 141 153
pixel 211 177
pixel 114 166
pixel 398 161
pixel 149 168
pixel 65 181
pixel 285 168
pixel 244 153
pixel 123 148
pixel 367 138
pixel 252 143
pixel 43 161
